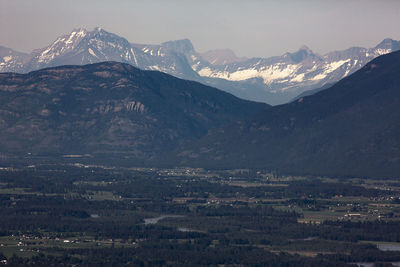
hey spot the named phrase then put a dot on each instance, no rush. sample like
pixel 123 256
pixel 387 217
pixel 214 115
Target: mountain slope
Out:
pixel 11 60
pixel 108 108
pixel 312 91
pixel 273 80
pixel 350 129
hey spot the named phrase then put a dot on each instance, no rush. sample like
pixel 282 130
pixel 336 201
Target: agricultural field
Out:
pixel 86 215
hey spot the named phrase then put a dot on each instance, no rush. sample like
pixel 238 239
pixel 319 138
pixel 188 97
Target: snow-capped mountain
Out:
pixel 86 47
pixel 273 80
pixel 293 73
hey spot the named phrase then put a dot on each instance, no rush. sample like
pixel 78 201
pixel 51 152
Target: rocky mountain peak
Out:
pixel 73 37
pixel 183 46
pixel 98 31
pixel 306 48
pixel 301 54
pixel 221 56
pixel 389 44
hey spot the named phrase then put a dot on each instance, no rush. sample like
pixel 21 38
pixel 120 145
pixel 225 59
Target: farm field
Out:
pixel 83 214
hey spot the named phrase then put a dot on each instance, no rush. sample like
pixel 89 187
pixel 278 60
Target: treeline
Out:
pixel 136 184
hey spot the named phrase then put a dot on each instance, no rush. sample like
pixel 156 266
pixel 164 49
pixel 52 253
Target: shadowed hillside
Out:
pixel 352 128
pixel 108 109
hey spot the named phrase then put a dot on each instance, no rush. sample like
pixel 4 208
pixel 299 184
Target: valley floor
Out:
pixel 86 215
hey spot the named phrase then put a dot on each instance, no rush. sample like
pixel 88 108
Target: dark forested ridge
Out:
pixel 110 109
pixel 352 128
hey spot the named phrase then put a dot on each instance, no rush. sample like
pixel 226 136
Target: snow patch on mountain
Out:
pixel 298 78
pixel 91 52
pixel 7 58
pixel 335 65
pixel 268 73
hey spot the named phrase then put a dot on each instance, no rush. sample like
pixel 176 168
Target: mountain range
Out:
pixel 274 80
pixel 349 129
pixel 112 112
pixel 108 109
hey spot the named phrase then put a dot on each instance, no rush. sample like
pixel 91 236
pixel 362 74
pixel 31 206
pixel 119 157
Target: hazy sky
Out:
pixel 249 27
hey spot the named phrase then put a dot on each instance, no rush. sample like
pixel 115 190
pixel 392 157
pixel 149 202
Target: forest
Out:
pixel 88 215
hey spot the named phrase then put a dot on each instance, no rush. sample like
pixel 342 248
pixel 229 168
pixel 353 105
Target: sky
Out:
pixel 252 28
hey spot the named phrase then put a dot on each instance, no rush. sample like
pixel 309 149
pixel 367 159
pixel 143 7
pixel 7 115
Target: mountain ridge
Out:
pixel 273 80
pixel 110 110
